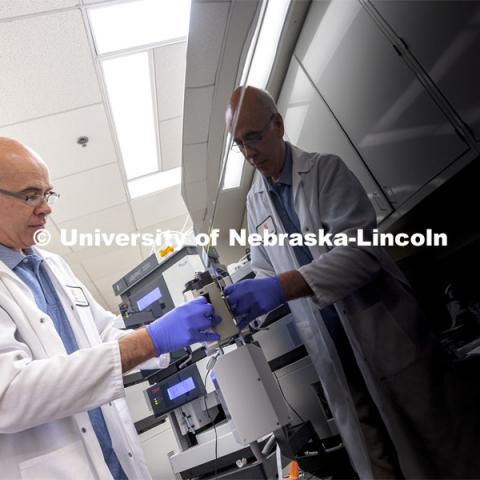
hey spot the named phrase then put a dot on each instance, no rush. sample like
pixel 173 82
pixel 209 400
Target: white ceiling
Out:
pixel 47 67
pixel 89 191
pixel 44 136
pixel 171 142
pixel 16 8
pixel 208 28
pixel 220 35
pixel 170 63
pixel 50 94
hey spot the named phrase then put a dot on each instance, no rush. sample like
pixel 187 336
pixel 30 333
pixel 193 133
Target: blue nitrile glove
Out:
pixel 251 298
pixel 189 323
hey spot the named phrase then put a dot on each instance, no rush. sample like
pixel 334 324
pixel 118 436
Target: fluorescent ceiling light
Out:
pixel 263 52
pixel 233 170
pixel 129 90
pixel 155 182
pixel 131 24
pixel 266 46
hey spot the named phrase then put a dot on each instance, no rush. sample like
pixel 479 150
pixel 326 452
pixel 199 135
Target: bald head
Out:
pixel 255 101
pixel 257 128
pixel 14 157
pixel 22 174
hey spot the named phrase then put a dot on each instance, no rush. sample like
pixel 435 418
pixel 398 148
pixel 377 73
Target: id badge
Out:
pixel 78 296
pixel 267 226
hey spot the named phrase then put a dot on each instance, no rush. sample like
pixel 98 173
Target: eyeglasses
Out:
pixel 34 200
pixel 251 139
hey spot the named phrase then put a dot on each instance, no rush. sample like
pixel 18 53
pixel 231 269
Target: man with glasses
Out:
pixel 381 369
pixel 62 407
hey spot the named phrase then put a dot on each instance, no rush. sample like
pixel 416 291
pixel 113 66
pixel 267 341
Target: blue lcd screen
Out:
pixel 181 388
pixel 149 298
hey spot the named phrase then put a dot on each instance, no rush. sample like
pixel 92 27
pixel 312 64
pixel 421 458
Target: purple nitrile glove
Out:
pixel 251 298
pixel 189 323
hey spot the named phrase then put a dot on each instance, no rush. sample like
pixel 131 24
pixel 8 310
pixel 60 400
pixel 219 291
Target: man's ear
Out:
pixel 278 124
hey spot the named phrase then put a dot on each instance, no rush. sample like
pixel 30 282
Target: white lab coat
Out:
pixel 388 334
pixel 45 432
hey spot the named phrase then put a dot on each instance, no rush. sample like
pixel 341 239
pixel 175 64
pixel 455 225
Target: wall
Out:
pixel 391 87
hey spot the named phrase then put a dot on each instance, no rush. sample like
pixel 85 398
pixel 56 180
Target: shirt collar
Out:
pixel 286 175
pixel 11 258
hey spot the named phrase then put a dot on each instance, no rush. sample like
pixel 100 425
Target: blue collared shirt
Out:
pixel 30 269
pixel 282 198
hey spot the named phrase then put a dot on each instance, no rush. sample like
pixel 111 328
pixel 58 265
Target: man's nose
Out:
pixel 249 152
pixel 43 209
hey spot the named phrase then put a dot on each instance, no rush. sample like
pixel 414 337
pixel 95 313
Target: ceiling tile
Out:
pixel 47 67
pixel 54 138
pixel 171 142
pixel 80 272
pixel 118 261
pixel 207 26
pixel 88 192
pixel 170 66
pixel 9 8
pixel 55 244
pixel 158 207
pixel 198 104
pixel 176 224
pixel 117 219
pixel 86 253
pixel 104 286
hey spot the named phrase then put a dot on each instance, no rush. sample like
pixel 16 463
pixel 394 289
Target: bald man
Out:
pixel 381 368
pixel 62 407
